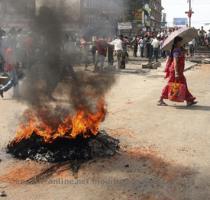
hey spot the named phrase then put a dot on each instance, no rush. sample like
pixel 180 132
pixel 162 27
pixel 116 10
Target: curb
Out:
pixel 190 67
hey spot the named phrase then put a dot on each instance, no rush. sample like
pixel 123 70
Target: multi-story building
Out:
pixel 91 15
pixel 102 14
pixel 156 14
pixel 145 14
pixel 13 12
pixel 164 22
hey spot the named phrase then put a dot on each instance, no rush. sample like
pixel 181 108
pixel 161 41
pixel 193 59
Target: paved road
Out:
pixel 164 150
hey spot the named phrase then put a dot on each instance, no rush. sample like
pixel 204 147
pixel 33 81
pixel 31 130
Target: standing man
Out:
pixel 208 36
pixel 118 48
pixel 149 48
pixel 101 47
pixel 110 52
pixel 2 34
pixel 141 45
pixel 202 36
pixel 125 49
pixel 156 46
pixel 84 51
pixel 134 42
pixel 192 47
pixel 10 69
pixel 93 49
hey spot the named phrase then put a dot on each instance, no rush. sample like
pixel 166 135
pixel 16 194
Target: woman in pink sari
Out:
pixel 175 72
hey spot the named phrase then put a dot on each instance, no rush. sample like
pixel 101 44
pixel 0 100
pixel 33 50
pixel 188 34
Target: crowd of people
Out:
pixel 146 45
pixel 18 50
pixel 11 45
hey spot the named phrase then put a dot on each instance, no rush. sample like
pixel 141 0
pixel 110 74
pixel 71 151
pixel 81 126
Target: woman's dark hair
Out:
pixel 176 40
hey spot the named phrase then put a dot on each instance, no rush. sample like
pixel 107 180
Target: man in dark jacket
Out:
pixel 101 47
pixel 134 42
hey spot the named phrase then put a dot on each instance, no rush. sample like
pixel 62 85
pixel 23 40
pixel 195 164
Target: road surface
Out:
pixel 164 150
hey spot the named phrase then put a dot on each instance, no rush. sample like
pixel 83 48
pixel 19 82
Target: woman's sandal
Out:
pixel 1 93
pixel 161 103
pixel 191 103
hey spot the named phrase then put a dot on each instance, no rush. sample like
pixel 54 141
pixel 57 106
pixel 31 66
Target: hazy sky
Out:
pixel 177 8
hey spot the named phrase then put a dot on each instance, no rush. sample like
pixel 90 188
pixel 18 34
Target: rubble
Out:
pixel 65 149
pixel 151 65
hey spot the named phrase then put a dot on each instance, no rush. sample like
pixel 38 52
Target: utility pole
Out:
pixel 190 12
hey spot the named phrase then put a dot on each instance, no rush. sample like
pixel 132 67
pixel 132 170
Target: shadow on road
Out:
pixel 136 173
pixel 194 108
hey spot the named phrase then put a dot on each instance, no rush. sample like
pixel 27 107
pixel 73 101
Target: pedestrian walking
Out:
pixel 175 73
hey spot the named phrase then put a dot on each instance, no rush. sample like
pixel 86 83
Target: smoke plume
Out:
pixel 52 83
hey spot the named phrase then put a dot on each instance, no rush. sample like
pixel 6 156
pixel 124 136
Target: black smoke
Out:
pixel 53 85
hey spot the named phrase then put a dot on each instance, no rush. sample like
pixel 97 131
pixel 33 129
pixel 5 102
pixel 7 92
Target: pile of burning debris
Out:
pixel 76 138
pixel 65 149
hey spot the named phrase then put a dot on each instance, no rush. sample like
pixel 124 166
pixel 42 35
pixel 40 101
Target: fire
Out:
pixel 83 122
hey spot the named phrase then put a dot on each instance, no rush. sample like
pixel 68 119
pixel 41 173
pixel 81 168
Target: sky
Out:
pixel 177 8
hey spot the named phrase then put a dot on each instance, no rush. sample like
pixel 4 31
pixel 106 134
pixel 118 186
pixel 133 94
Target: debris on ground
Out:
pixel 3 194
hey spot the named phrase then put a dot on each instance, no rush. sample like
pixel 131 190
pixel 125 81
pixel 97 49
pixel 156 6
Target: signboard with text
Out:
pixel 125 26
pixel 180 21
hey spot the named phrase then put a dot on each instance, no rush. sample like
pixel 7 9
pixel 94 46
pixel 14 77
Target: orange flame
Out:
pixel 83 122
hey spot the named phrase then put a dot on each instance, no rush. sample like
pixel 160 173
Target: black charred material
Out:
pixel 64 149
